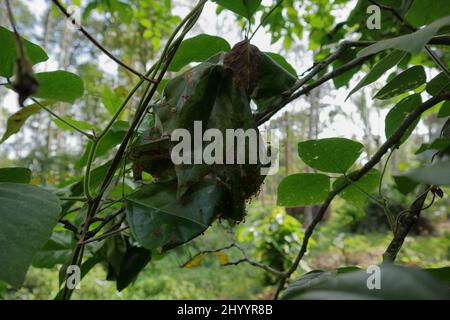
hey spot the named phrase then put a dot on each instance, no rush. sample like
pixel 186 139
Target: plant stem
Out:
pixel 74 127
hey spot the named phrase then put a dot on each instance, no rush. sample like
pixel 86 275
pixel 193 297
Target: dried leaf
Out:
pixel 244 60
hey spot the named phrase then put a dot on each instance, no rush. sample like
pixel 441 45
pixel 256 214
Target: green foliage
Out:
pixel 435 174
pixel 412 43
pixel 398 113
pixel 244 8
pixel 444 111
pixel 302 189
pixel 408 80
pixel 424 12
pixel 335 155
pixel 358 191
pixel 17 120
pixel 404 184
pixel 59 86
pixel 134 261
pixel 10 52
pixel 379 69
pixel 438 85
pixel 159 220
pixel 56 251
pixel 28 216
pixel 396 283
pixel 273 239
pixel 15 174
pixel 198 49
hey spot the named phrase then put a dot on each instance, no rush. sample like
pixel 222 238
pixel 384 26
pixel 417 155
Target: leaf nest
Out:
pixel 184 199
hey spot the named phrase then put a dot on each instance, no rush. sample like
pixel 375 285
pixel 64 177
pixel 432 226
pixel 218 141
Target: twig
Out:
pixel 69 226
pixel 104 222
pixel 404 225
pixel 207 252
pixel 104 236
pixel 284 100
pixel 263 20
pixel 98 45
pixel 255 263
pixel 74 127
pixel 393 140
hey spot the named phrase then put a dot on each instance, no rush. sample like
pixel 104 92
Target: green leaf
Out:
pixel 435 174
pixel 408 80
pixel 244 8
pixel 442 274
pixel 344 78
pixel 159 220
pixel 273 80
pixel 303 189
pixel 111 139
pixel 424 11
pixel 16 175
pixel 438 84
pixel 59 86
pixel 9 52
pixel 133 263
pixel 28 216
pixel 110 100
pixel 395 283
pixel 397 115
pixel 357 192
pixel 444 111
pixel 17 120
pixel 97 176
pixel 282 62
pixel 412 42
pixel 335 155
pixel 57 250
pixel 197 49
pixel 83 125
pixel 438 144
pixel 404 184
pixel 379 69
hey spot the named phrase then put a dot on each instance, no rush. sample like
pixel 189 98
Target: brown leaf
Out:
pixel 244 60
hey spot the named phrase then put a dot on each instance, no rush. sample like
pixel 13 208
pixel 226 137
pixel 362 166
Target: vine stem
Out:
pixel 164 61
pixel 74 127
pixel 376 158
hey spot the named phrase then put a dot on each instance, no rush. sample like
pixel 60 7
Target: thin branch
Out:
pixel 256 264
pixel 104 222
pixel 232 245
pixel 74 127
pixel 104 236
pixel 263 20
pixel 284 100
pixel 69 226
pixel 98 45
pixel 376 158
pixel 405 224
pixel 395 13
